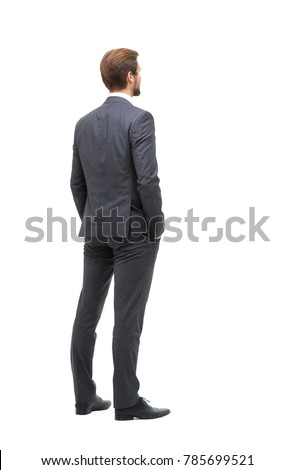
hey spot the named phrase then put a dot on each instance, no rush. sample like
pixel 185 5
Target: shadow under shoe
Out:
pixel 140 411
pixel 97 404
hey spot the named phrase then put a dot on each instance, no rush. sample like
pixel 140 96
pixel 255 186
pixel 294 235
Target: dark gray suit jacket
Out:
pixel 114 173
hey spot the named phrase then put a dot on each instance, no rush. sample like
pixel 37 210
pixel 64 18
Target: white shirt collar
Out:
pixel 122 95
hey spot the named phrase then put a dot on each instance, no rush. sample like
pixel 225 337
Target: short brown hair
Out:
pixel 115 66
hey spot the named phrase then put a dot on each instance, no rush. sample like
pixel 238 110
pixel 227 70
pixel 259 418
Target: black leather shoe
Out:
pixel 86 407
pixel 141 411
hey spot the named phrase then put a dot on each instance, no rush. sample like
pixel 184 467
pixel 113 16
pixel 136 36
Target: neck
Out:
pixel 126 90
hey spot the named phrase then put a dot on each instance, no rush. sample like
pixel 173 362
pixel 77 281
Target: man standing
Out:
pixel 116 190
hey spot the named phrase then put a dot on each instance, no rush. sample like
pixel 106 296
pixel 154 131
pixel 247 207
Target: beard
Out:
pixel 136 90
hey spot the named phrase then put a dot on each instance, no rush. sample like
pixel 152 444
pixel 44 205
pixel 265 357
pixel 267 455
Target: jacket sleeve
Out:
pixel 143 147
pixel 78 182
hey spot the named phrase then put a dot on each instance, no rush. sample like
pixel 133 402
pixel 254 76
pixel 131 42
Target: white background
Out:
pixel 218 341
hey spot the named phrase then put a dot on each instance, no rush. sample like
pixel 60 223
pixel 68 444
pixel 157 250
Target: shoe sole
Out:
pixel 122 417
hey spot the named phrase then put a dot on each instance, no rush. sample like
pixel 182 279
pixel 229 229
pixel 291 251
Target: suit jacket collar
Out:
pixel 112 99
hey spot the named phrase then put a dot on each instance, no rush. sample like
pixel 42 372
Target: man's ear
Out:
pixel 129 77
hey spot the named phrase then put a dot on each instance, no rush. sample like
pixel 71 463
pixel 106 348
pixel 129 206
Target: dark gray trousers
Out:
pixel 132 264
